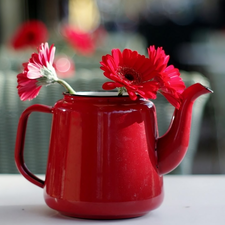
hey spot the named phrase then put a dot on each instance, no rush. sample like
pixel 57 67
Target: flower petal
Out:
pixel 132 95
pixel 109 85
pixel 172 99
pixel 117 56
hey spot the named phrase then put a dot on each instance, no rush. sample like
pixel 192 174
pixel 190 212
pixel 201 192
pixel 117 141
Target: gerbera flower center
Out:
pixel 129 74
pixel 30 36
pixel 48 75
pixel 129 77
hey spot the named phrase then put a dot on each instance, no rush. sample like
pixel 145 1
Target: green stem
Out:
pixel 66 86
pixel 121 90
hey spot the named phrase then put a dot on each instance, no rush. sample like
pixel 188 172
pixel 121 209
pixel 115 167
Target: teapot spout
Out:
pixel 173 145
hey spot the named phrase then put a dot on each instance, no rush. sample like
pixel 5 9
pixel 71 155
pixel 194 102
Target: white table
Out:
pixel 188 200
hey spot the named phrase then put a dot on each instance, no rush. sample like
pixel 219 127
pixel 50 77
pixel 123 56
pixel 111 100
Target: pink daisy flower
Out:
pixel 38 71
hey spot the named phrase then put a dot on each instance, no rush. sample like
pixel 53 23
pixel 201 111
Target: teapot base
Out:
pixel 103 217
pixel 104 210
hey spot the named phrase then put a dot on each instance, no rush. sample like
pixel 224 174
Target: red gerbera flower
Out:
pixel 143 76
pixel 79 40
pixel 37 72
pixel 30 34
pixel 171 84
pixel 130 70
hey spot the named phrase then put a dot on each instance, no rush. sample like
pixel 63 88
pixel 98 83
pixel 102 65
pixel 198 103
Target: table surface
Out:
pixel 196 199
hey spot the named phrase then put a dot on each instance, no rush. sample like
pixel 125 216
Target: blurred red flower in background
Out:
pixel 82 42
pixel 30 34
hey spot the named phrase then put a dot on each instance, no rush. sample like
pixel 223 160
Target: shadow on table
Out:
pixel 41 214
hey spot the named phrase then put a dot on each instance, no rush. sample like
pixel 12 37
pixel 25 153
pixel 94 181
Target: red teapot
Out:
pixel 105 159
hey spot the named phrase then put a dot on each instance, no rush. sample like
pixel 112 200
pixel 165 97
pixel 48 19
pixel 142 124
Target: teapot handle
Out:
pixel 20 140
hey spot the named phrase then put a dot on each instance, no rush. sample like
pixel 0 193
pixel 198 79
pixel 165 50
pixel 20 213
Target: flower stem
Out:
pixel 66 86
pixel 121 90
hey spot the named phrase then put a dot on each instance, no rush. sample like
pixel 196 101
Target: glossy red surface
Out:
pixel 103 162
pixel 172 147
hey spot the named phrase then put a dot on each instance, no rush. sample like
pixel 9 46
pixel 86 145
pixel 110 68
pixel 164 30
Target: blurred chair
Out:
pixel 207 50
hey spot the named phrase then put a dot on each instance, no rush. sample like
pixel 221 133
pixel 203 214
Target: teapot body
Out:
pixel 106 160
pixel 102 160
